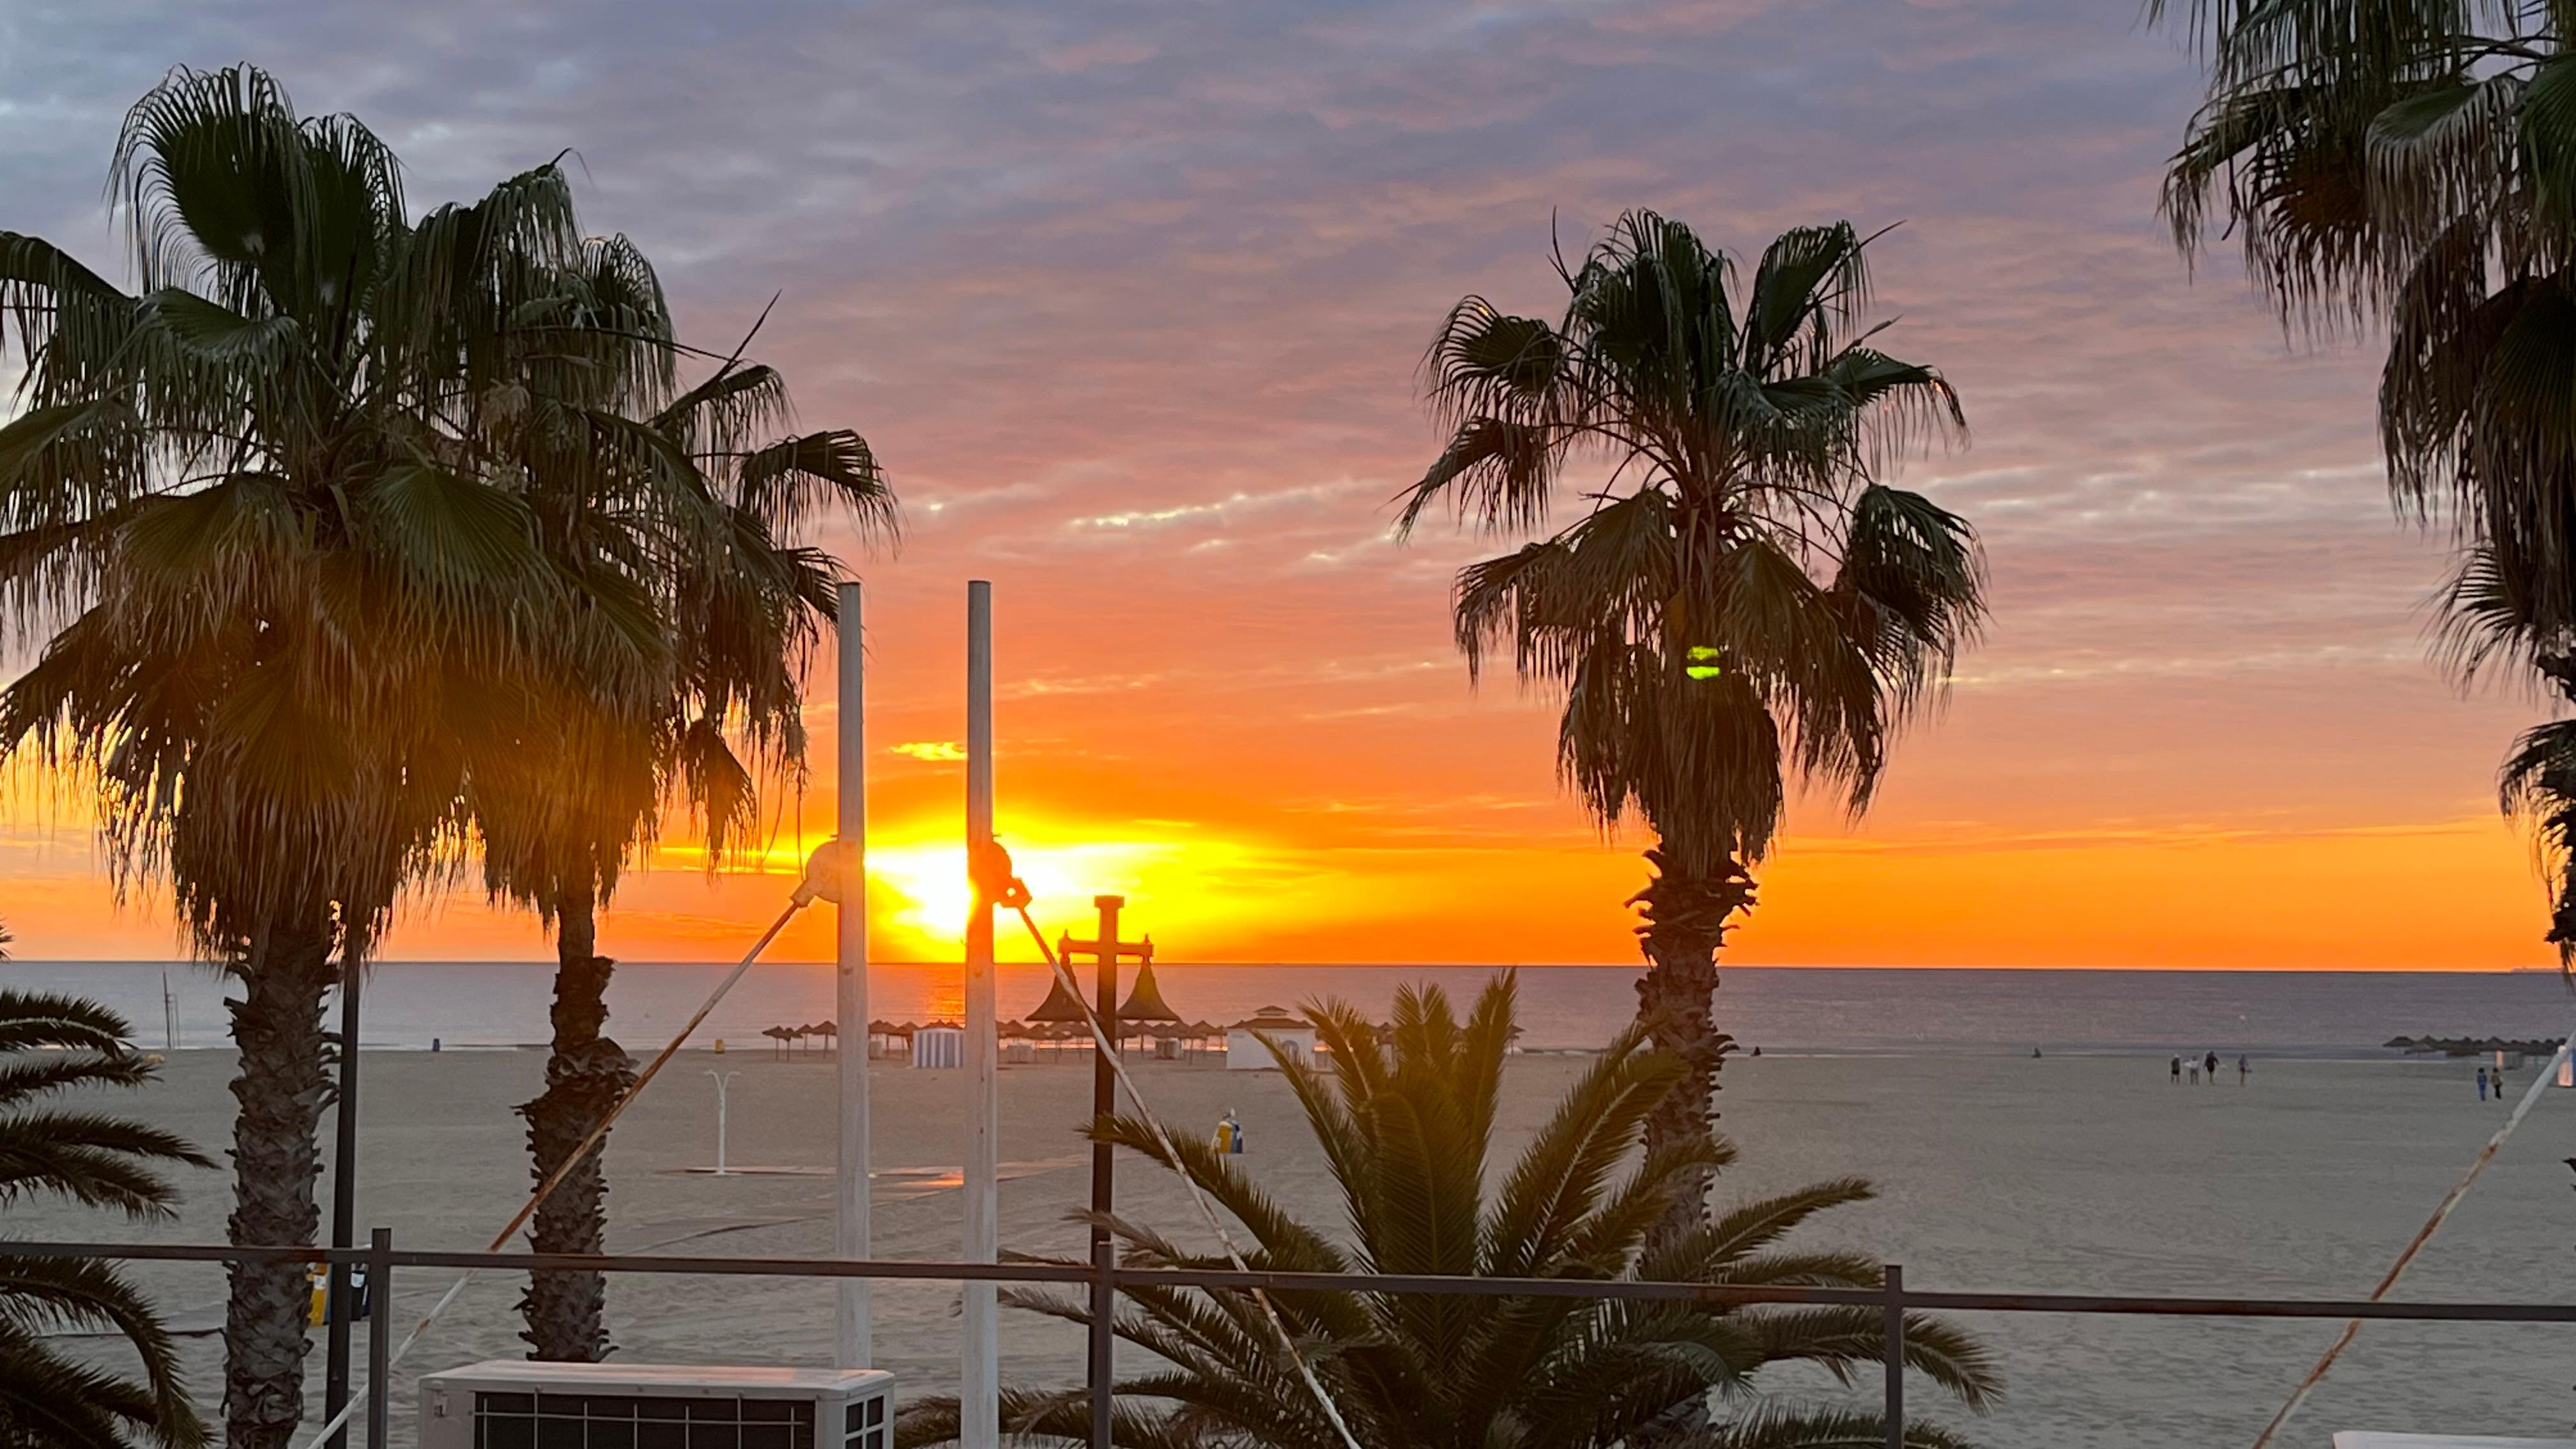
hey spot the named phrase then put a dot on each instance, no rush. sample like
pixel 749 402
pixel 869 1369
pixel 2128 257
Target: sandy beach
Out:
pixel 2069 1173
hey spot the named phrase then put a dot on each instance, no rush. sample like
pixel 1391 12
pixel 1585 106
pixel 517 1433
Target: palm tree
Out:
pixel 287 573
pixel 1739 602
pixel 1406 1133
pixel 686 515
pixel 2413 165
pixel 51 1045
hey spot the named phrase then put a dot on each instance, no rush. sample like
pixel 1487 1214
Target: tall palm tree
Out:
pixel 2412 164
pixel 51 1045
pixel 690 510
pixel 1406 1130
pixel 1739 602
pixel 257 503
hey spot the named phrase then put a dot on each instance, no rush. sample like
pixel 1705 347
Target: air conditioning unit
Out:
pixel 516 1404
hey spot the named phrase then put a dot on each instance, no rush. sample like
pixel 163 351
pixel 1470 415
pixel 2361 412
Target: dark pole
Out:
pixel 1895 1356
pixel 1104 1100
pixel 380 1334
pixel 344 1195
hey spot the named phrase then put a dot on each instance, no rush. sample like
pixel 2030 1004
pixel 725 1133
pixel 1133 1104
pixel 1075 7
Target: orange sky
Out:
pixel 1130 303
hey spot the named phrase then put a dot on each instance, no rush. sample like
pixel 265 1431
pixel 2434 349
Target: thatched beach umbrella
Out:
pixel 1059 1005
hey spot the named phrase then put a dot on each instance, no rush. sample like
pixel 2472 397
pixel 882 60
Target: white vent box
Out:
pixel 508 1403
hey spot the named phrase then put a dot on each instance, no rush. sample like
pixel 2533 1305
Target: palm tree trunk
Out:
pixel 280 1086
pixel 585 1075
pixel 1687 915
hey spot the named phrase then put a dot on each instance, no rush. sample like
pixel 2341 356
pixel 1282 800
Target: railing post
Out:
pixel 1895 1349
pixel 380 1312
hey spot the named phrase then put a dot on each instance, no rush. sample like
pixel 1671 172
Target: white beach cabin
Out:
pixel 1245 1053
pixel 940 1045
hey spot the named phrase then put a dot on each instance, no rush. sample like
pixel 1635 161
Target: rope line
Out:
pixel 2539 1084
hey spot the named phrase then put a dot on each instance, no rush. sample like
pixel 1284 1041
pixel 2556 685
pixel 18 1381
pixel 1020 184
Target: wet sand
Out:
pixel 2071 1173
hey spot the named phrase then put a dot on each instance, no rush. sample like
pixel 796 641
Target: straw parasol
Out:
pixel 1059 1005
pixel 1145 1005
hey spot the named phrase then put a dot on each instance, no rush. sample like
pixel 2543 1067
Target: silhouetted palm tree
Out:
pixel 1739 602
pixel 1406 1130
pixel 289 571
pixel 2412 164
pixel 684 513
pixel 51 1045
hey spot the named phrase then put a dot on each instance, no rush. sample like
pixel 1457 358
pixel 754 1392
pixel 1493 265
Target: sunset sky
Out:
pixel 1129 298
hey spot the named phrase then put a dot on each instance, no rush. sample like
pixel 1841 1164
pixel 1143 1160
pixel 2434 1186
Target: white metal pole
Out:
pixel 850 1327
pixel 979 1384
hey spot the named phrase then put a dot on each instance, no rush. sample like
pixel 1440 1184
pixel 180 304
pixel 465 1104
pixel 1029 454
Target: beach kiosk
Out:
pixel 526 1405
pixel 1245 1053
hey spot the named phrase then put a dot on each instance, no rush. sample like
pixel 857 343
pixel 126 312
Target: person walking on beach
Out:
pixel 2482 1084
pixel 2242 1068
pixel 2192 1068
pixel 2209 1064
pixel 2177 1071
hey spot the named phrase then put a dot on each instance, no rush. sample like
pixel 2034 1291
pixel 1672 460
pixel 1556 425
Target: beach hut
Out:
pixel 939 1045
pixel 1294 1034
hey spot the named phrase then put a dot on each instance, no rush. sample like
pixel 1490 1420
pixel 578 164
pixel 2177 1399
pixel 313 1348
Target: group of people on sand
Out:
pixel 2491 1082
pixel 2208 1064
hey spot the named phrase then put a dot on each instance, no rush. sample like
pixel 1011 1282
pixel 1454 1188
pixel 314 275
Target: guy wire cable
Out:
pixel 806 890
pixel 1005 888
pixel 2539 1084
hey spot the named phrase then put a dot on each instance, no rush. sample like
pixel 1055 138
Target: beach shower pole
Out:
pixel 979 1382
pixel 722 1080
pixel 850 1326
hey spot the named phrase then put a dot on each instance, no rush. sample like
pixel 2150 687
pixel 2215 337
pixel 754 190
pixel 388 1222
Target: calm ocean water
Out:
pixel 1914 1012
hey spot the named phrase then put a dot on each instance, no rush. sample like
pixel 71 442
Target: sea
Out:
pixel 466 1005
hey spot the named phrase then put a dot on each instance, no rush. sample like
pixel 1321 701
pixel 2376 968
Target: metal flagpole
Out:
pixel 979 1382
pixel 850 1325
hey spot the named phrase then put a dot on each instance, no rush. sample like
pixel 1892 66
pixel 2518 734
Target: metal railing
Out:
pixel 381 1260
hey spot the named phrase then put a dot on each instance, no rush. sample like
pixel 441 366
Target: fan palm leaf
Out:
pixel 1404 1119
pixel 49 1401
